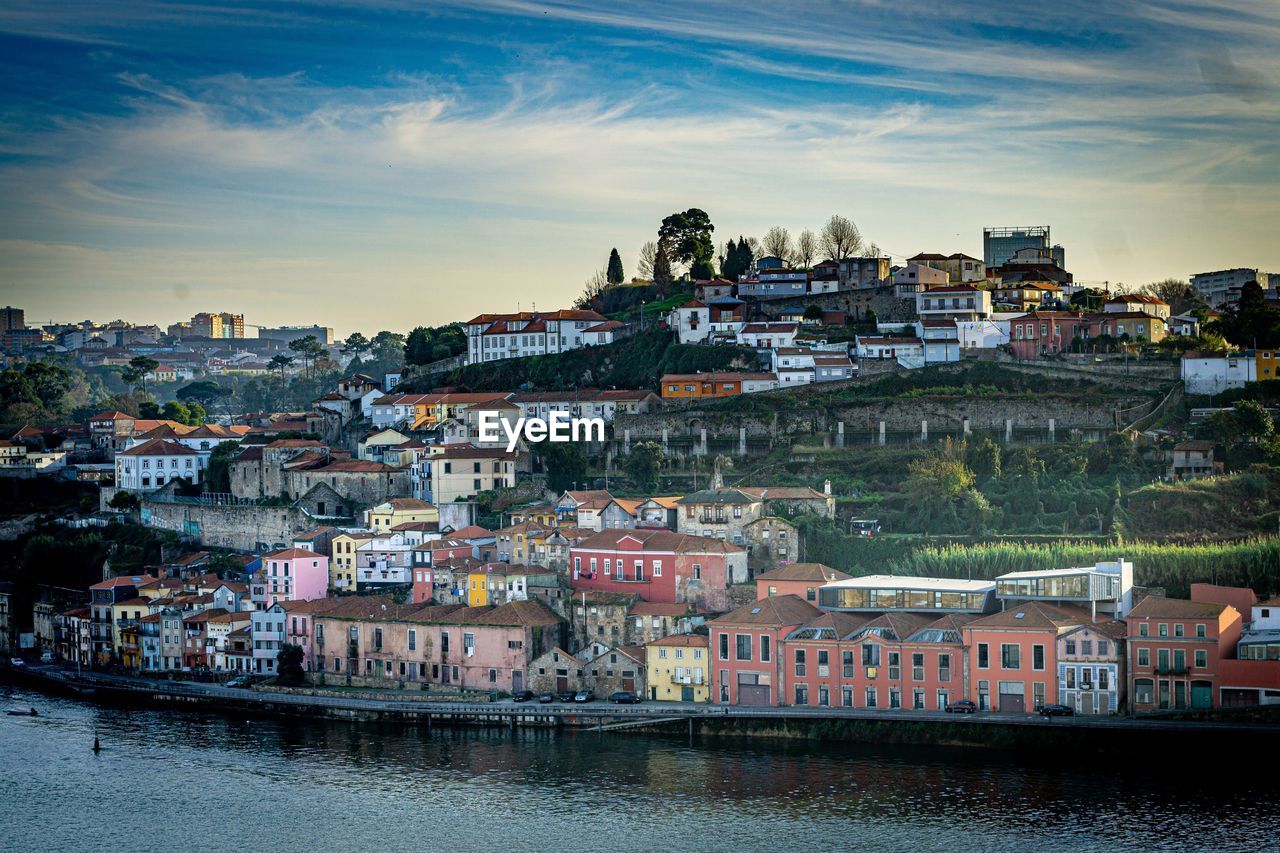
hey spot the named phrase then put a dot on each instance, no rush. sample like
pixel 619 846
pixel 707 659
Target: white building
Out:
pixel 832 367
pixel 1213 373
pixel 889 347
pixel 941 340
pixel 154 463
pixel 1222 287
pixel 267 631
pixel 691 321
pixel 953 302
pixel 982 334
pixel 493 337
pixel 768 335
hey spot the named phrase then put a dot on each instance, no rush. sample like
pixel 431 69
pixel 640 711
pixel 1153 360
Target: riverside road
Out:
pixel 602 713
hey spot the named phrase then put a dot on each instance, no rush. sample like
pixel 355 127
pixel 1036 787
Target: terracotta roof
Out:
pixel 697 640
pixel 803 572
pixel 1154 607
pixel 125 580
pixel 291 554
pixel 1034 615
pixel 407 504
pixel 778 610
pixel 159 447
pixel 659 539
pixel 472 531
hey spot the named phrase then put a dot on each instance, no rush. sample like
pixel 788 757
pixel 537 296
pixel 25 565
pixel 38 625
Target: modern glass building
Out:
pixel 887 593
pixel 1000 244
pixel 1105 587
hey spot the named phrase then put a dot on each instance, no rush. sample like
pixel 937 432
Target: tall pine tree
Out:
pixel 662 266
pixel 614 273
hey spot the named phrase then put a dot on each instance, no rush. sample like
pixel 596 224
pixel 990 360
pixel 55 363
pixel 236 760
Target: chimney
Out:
pixel 826 488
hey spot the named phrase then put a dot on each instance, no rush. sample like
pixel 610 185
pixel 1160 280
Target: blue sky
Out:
pixel 384 164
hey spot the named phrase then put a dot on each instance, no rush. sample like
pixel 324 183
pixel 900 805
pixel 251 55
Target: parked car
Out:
pixel 545 698
pixel 583 696
pixel 240 681
pixel 624 697
pixel 1057 711
pixel 17 662
pixel 964 706
pixel 522 696
pixel 47 657
pixel 566 696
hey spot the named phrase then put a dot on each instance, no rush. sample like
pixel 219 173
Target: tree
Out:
pixel 1178 293
pixel 176 411
pixel 418 346
pixel 1254 422
pixel 565 465
pixel 662 276
pixel 643 464
pixel 593 289
pixel 310 349
pixel 124 501
pixel 738 258
pixel 646 260
pixel 1254 321
pixel 388 348
pixel 356 344
pixel 205 392
pixel 806 248
pixel 289 664
pixel 136 373
pixel 813 312
pixel 841 239
pixel 614 272
pixel 983 458
pixel 217 475
pixel 688 240
pixel 281 363
pixel 777 242
pixel 1088 299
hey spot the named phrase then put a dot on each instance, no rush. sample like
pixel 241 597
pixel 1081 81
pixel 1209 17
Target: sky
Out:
pixel 381 164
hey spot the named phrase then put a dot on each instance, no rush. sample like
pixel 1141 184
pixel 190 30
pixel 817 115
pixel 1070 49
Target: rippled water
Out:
pixel 193 782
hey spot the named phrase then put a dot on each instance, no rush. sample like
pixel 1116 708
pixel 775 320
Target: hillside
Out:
pixel 638 361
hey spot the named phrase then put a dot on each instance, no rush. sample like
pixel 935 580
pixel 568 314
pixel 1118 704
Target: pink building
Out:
pixel 433 553
pixel 1013 655
pixel 293 574
pixel 659 565
pixel 746 659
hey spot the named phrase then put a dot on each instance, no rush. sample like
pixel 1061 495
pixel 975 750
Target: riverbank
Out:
pixel 1022 733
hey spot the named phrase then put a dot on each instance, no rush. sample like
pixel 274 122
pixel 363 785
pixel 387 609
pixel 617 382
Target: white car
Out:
pixel 17 662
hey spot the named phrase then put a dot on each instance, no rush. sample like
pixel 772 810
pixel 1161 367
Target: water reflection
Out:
pixel 203 782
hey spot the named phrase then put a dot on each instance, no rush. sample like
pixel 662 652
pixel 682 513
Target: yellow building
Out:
pixel 1268 364
pixel 342 559
pixel 396 511
pixel 127 613
pixel 678 668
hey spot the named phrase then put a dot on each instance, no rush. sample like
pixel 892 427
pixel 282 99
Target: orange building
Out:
pixel 1175 647
pixel 701 386
pixel 799 579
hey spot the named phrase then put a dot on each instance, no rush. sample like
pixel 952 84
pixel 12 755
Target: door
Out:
pixel 1201 695
pixel 1086 703
pixel 628 683
pixel 562 681
pixel 517 680
pixel 1012 698
pixel 686 694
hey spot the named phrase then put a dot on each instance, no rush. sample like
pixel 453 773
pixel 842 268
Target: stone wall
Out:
pixel 881 300
pixel 240 527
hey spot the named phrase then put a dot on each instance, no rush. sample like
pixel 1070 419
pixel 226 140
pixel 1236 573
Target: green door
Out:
pixel 686 694
pixel 1201 695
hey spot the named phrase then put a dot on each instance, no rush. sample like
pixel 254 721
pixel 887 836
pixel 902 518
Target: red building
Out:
pixel 745 655
pixel 1013 655
pixel 798 579
pixel 1044 332
pixel 1175 649
pixel 659 565
pixel 430 554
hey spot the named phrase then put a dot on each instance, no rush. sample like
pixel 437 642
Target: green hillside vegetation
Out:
pixel 1229 506
pixel 638 361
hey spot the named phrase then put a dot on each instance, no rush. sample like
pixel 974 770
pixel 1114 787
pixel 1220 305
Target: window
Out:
pixel 413 640
pixel 1200 631
pixel 444 642
pixel 1037 657
pixel 657 568
pixel 1070 647
pixel 847 660
pixel 1142 691
pixel 1010 656
pixel 917 667
pixel 1202 658
pixel 697 572
pixel 984 661
pixel 764 648
pixel 724 647
pixel 800 668
pixel 743 651
pixel 1164 629
pixel 1104 648
pixel 1179 629
pixel 1144 657
pixel 1144 630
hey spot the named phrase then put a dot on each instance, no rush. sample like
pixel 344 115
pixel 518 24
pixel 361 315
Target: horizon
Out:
pixel 162 160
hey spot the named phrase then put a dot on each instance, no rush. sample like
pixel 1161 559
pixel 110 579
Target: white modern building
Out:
pixel 1213 373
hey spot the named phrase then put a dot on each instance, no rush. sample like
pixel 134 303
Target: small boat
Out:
pixel 18 712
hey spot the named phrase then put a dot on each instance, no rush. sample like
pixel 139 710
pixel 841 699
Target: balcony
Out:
pixel 1172 670
pixel 713 519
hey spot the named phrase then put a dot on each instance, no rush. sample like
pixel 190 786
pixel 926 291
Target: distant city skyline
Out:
pixel 363 166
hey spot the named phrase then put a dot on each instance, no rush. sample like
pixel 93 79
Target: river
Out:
pixel 184 781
